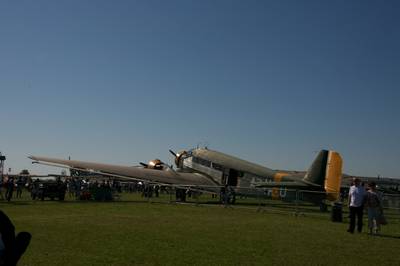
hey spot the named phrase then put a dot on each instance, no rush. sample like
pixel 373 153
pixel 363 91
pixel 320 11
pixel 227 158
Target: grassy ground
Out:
pixel 135 232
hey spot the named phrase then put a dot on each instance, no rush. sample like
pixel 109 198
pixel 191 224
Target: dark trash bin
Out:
pixel 337 212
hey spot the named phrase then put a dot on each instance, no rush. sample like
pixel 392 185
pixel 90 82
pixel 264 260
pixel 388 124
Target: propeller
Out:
pixel 173 153
pixel 178 157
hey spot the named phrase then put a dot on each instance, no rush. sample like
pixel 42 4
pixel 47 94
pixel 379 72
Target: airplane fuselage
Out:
pixel 225 169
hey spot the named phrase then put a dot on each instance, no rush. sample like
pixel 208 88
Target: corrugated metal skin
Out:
pixel 233 162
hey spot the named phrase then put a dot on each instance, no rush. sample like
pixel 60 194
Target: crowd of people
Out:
pixel 11 185
pixel 77 187
pixel 80 188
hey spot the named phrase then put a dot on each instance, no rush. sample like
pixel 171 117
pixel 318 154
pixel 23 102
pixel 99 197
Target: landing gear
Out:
pixel 180 194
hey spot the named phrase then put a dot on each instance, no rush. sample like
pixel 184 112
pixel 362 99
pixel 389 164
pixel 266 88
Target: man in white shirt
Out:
pixel 356 205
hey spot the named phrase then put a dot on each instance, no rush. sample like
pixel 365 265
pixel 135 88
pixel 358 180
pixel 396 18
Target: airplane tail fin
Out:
pixel 326 171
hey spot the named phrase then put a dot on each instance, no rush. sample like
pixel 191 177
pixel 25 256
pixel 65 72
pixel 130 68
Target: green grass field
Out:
pixel 132 231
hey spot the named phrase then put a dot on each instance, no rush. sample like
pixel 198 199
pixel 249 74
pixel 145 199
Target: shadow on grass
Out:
pixel 387 236
pixel 15 202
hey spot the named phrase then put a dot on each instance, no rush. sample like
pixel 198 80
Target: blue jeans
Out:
pixel 373 215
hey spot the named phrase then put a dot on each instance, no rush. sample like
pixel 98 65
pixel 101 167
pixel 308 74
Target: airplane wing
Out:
pixel 129 172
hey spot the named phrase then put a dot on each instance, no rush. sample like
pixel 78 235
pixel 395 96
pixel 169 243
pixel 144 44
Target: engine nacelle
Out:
pixel 155 164
pixel 179 158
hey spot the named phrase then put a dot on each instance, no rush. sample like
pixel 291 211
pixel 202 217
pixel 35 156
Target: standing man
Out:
pixel 20 185
pixel 10 188
pixel 356 205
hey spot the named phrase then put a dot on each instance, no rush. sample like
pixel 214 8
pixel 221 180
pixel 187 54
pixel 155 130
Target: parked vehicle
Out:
pixel 53 189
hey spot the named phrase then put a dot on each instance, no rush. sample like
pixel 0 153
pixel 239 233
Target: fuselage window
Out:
pixel 201 161
pixel 217 166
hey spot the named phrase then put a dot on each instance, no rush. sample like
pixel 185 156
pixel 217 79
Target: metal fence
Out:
pixel 273 200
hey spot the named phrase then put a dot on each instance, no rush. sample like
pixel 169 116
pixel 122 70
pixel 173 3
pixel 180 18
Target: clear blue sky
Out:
pixel 268 81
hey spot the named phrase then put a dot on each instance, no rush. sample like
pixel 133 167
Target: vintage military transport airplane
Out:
pixel 213 171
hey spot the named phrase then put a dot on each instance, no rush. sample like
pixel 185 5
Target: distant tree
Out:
pixel 24 172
